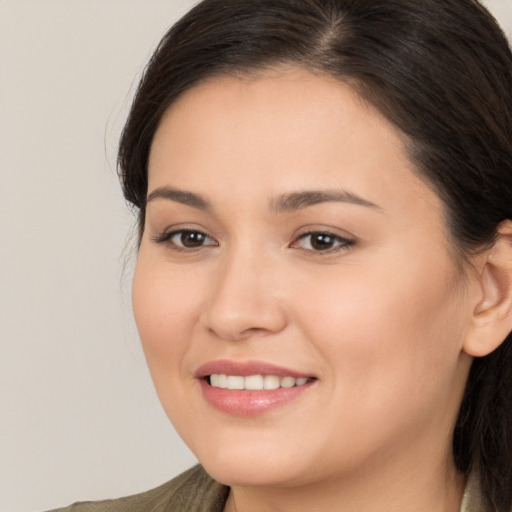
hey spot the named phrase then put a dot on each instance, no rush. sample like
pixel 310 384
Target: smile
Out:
pixel 251 388
pixel 254 382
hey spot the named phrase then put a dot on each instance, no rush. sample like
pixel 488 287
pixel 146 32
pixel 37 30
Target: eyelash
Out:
pixel 167 238
pixel 342 244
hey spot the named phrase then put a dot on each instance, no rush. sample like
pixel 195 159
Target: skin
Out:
pixel 381 322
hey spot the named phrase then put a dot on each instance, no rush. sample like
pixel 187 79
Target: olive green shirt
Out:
pixel 192 491
pixel 195 491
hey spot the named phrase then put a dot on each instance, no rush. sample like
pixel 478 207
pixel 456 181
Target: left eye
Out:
pixel 188 239
pixel 322 242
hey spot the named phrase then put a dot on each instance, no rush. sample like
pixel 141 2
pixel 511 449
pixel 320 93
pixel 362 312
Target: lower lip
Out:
pixel 249 403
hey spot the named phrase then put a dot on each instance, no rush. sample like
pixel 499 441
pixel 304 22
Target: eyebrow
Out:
pixel 179 196
pixel 300 200
pixel 284 204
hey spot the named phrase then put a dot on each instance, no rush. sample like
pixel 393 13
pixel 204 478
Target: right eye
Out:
pixel 184 239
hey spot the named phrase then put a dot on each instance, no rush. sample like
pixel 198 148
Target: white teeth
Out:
pixel 254 382
pixel 271 382
pixel 223 381
pixel 235 382
pixel 288 382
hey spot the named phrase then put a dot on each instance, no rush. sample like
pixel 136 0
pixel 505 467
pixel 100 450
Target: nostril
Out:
pixel 233 331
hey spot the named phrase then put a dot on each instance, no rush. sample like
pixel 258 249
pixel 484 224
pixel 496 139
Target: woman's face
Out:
pixel 288 243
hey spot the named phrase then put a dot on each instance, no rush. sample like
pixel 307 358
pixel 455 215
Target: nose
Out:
pixel 244 301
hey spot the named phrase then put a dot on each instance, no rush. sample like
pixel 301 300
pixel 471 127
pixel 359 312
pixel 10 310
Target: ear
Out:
pixel 491 321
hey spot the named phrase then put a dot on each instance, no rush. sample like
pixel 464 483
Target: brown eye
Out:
pixel 322 242
pixel 191 239
pixel 186 239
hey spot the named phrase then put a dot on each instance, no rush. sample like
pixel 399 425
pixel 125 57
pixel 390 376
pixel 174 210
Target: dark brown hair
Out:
pixel 440 70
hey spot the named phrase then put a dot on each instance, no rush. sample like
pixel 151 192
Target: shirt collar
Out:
pixel 472 500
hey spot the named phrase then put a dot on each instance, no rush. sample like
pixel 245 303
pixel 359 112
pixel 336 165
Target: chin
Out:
pixel 245 460
pixel 267 463
pixel 255 473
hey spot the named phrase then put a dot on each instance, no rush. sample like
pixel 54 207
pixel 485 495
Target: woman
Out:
pixel 323 287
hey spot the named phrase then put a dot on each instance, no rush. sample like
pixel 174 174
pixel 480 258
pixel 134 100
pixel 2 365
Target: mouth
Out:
pixel 255 382
pixel 250 388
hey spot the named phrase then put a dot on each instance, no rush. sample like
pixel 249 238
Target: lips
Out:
pixel 245 369
pixel 250 388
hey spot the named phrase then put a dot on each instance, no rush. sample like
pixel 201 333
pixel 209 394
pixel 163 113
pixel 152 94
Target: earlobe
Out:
pixel 492 315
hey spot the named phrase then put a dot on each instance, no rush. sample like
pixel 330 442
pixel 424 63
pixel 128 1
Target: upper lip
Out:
pixel 246 368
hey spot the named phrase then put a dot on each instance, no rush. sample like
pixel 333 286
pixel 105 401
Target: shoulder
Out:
pixel 193 491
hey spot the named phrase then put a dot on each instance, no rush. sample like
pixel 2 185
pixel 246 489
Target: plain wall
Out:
pixel 79 417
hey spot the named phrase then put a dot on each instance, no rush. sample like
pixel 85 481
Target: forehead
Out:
pixel 279 129
pixel 270 96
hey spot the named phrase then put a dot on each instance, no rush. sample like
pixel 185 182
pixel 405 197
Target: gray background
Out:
pixel 79 417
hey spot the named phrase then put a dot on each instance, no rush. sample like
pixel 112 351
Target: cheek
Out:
pixel 165 306
pixel 391 336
